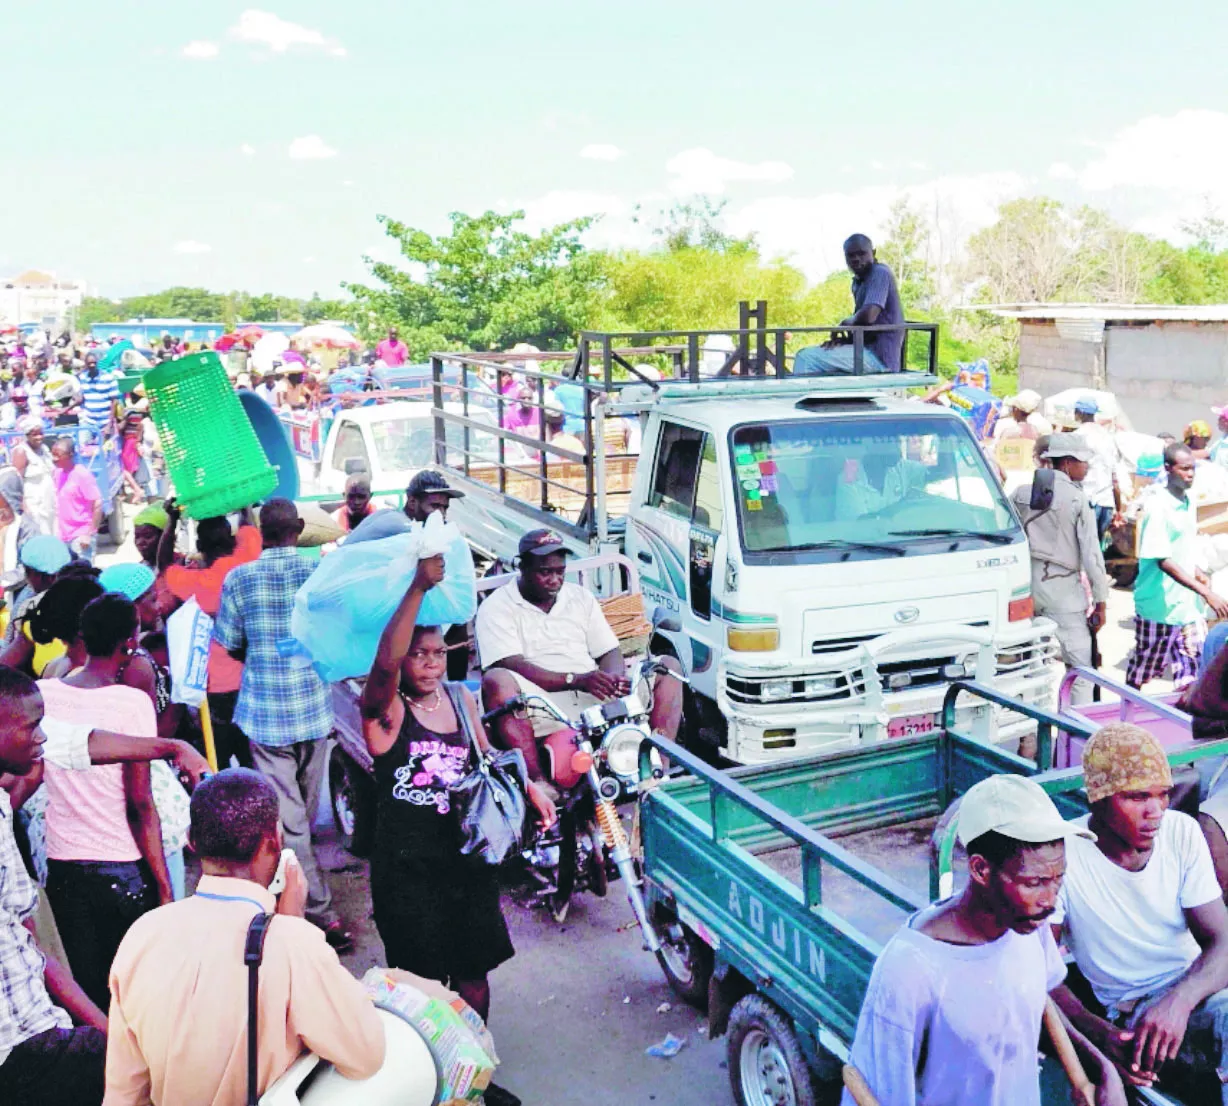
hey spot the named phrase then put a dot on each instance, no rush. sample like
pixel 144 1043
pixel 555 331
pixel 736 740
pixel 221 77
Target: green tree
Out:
pixel 485 285
pixel 98 309
pixel 906 249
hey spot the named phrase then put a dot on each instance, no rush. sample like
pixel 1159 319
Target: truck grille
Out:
pixel 843 684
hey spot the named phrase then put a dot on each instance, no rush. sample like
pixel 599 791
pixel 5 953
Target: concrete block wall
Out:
pixel 1050 363
pixel 1166 374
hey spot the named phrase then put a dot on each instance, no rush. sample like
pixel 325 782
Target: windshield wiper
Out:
pixel 836 543
pixel 953 532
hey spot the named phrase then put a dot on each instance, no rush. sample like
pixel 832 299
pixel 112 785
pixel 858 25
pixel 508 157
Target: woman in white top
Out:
pixel 32 459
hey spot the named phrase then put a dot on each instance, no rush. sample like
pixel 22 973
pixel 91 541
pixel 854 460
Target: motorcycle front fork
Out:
pixel 620 850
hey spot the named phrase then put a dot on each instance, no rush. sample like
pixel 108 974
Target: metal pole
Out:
pixel 441 432
pixel 595 468
pixel 501 448
pixel 692 352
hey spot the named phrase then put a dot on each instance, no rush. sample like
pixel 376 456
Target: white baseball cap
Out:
pixel 1015 807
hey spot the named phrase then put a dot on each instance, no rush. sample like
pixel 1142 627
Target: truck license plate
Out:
pixel 912 724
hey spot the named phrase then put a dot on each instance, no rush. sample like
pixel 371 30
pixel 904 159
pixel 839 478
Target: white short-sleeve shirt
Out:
pixel 568 638
pixel 1127 930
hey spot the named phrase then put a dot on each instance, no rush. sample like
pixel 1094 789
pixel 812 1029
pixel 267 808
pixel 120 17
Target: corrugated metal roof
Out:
pixel 1109 312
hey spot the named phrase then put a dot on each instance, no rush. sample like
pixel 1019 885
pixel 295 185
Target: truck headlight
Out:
pixel 822 685
pixel 621 749
pixel 776 690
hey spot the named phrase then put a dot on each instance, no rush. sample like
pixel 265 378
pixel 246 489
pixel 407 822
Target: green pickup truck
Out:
pixel 773 888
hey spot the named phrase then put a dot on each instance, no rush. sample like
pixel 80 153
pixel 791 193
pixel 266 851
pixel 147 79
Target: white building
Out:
pixel 1167 365
pixel 37 297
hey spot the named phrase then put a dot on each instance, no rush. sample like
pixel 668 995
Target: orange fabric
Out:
pixel 205 586
pixel 341 516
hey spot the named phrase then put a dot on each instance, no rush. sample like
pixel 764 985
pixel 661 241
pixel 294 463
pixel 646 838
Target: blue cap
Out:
pixel 1086 406
pixel 129 580
pixel 45 553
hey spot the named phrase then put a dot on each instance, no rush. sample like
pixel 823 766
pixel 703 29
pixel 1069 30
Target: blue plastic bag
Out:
pixel 342 609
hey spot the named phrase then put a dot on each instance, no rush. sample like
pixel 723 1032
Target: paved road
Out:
pixel 575 1009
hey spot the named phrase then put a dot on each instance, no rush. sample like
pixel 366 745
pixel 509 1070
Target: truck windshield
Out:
pixel 864 484
pixel 409 443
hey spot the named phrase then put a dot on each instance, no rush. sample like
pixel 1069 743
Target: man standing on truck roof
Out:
pixel 1169 616
pixel 540 635
pixel 876 302
pixel 954 1007
pixel 1144 915
pixel 1062 538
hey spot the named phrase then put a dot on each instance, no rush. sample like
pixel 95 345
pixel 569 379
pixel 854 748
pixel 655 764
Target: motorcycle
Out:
pixel 594 764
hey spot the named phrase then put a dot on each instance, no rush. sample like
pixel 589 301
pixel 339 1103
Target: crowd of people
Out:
pixel 97 904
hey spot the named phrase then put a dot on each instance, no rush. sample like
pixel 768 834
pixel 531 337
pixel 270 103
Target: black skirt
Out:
pixel 438 918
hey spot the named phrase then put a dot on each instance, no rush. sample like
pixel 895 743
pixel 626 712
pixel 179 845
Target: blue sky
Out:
pixel 236 147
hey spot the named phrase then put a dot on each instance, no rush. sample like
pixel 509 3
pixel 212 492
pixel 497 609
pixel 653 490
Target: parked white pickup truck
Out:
pixel 390 441
pixel 836 553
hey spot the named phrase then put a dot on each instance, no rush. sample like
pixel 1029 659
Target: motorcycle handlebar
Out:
pixel 521 702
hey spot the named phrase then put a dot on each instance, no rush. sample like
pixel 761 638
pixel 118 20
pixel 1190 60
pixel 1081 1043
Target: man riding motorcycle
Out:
pixel 542 636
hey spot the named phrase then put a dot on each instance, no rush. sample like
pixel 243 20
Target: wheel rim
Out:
pixel 765 1072
pixel 343 806
pixel 678 959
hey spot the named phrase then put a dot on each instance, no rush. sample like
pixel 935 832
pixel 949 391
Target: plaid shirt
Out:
pixel 25 1008
pixel 281 699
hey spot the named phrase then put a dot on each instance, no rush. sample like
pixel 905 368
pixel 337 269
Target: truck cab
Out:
pixel 834 561
pixel 827 553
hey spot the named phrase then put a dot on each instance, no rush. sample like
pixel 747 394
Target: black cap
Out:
pixel 541 543
pixel 429 482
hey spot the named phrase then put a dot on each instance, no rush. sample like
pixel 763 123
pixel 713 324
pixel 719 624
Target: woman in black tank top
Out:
pixel 437 911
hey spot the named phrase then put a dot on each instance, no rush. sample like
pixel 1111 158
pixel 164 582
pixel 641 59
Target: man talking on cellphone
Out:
pixel 178 1022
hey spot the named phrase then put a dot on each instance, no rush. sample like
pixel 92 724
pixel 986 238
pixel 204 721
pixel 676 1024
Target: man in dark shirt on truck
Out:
pixel 876 302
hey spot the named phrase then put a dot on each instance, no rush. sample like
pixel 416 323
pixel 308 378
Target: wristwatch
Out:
pixel 571 678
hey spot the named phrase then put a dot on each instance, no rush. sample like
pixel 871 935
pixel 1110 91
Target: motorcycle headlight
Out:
pixel 621 750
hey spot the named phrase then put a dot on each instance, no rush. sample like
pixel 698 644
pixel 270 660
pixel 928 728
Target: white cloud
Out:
pixel 189 245
pixel 247 149
pixel 347 184
pixel 201 50
pixel 266 29
pixel 310 147
pixel 1185 152
pixel 810 230
pixel 699 170
pixel 602 151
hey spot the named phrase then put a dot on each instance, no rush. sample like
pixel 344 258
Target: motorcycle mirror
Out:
pixel 581 762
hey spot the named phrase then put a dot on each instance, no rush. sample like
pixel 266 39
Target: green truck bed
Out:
pixel 785 881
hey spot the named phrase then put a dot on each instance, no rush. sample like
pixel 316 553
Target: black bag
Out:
pixel 489 803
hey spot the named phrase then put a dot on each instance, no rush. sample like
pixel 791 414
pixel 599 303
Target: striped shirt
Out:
pixel 25 1007
pixel 281 700
pixel 98 396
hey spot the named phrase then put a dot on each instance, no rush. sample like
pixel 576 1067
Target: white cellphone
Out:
pixel 279 877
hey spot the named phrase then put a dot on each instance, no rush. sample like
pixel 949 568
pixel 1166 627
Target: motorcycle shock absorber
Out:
pixel 620 849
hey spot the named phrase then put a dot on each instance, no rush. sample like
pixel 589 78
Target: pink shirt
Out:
pixel 76 493
pixel 87 810
pixel 393 354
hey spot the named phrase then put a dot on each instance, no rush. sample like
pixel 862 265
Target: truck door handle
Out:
pixel 645 557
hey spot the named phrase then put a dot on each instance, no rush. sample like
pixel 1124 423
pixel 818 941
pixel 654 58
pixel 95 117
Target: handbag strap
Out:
pixel 253 953
pixel 462 717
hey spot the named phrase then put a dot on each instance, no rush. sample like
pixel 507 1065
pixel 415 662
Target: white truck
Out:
pixel 833 553
pixel 390 441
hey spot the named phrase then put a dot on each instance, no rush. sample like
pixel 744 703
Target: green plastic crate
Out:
pixel 212 453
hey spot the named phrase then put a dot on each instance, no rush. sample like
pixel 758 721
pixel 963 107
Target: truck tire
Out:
pixel 352 795
pixel 686 962
pixel 766 1064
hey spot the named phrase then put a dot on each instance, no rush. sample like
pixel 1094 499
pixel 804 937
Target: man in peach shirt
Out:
pixel 178 1021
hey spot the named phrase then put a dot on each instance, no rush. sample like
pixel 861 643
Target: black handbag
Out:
pixel 489 803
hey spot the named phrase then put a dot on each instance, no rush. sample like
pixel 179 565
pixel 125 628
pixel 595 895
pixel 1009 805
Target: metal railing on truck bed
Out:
pixel 579 491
